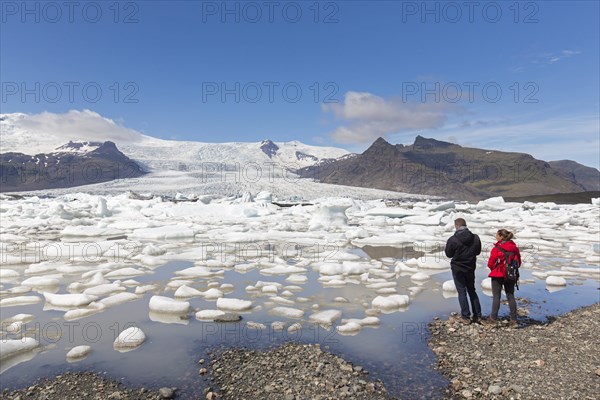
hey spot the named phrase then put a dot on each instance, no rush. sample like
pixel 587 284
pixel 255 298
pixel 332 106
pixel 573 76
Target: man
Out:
pixel 464 247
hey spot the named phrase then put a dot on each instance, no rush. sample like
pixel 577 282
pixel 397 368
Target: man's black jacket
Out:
pixel 463 247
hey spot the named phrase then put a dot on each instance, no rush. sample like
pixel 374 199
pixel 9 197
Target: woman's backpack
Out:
pixel 512 266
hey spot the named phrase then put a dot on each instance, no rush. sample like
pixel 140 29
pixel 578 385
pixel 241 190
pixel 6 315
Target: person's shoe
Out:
pixel 476 320
pixel 464 321
pixel 513 324
pixel 489 322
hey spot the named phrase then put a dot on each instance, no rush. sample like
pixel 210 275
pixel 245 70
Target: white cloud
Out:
pixel 552 58
pixel 45 131
pixel 368 117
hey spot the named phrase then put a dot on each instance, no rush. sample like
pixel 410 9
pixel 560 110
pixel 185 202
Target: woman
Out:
pixel 497 264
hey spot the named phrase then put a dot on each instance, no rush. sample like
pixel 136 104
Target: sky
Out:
pixel 513 76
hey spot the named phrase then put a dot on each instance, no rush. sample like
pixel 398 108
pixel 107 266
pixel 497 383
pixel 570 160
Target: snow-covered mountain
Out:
pixel 47 133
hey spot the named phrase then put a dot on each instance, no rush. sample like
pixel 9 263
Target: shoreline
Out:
pixel 475 359
pixel 558 358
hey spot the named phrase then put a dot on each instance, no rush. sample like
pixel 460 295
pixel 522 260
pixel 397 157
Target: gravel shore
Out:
pixel 288 372
pixel 558 359
pixel 80 385
pixel 292 372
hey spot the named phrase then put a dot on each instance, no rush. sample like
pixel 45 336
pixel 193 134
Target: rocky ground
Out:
pixel 288 372
pixel 291 372
pixel 84 386
pixel 559 359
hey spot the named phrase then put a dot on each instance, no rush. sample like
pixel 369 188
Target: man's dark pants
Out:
pixel 465 283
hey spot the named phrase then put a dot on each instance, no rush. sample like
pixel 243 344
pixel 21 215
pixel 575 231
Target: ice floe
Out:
pixel 129 339
pixel 167 305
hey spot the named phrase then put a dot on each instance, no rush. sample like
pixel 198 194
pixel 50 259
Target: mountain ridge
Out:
pixel 433 167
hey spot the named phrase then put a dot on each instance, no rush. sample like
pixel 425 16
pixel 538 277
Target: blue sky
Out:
pixel 364 69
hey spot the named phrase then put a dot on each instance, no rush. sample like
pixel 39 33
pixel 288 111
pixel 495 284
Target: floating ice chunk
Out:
pixel 88 231
pixel 349 328
pixel 171 232
pixel 486 284
pixel 325 317
pixel 69 300
pixel 388 303
pixel 261 284
pixel 130 282
pixel 287 312
pixel 96 279
pixel 295 327
pixel 10 348
pixel 346 267
pixel 243 268
pixel 6 274
pixel 449 286
pixel 434 262
pixel 596 201
pixel 527 233
pixel 402 267
pixel 125 272
pixel 255 325
pixel 179 282
pixel 269 289
pixel 41 281
pixel 103 290
pixel 414 290
pixel 14 327
pixel 556 281
pixel 152 250
pixel 231 304
pixel 119 298
pixel 227 288
pixel 277 326
pixel 186 291
pixel 367 321
pixel 281 300
pixel 539 274
pixel 442 206
pixel 78 353
pixel 341 300
pixel 130 338
pixel 92 308
pixel 420 277
pixel 198 272
pixel 23 318
pixel 334 283
pixel 144 289
pixel 296 278
pixel 357 233
pixel 212 294
pixel 209 315
pixel 392 212
pixel 167 305
pixel 282 270
pixel 433 220
pixel 19 301
pixel 327 216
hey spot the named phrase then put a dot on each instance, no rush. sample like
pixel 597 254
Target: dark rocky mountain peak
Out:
pixel 422 143
pixel 269 148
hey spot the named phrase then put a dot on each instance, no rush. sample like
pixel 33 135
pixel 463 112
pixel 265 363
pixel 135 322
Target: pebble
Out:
pixel 494 389
pixel 166 393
